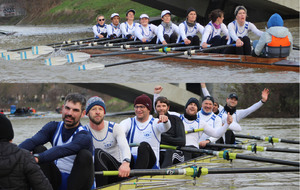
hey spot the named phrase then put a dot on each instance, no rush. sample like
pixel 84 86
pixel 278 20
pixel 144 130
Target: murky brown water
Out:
pixel 150 71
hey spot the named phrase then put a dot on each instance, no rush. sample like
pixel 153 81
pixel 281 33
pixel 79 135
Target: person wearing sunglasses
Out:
pixel 100 29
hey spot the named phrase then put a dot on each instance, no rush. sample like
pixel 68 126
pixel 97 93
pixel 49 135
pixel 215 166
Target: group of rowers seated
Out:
pixel 276 41
pixel 79 151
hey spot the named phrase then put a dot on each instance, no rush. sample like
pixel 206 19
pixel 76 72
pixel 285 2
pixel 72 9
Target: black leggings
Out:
pixel 244 50
pixel 229 138
pixel 195 41
pixel 82 173
pixel 170 39
pixel 190 155
pixel 217 41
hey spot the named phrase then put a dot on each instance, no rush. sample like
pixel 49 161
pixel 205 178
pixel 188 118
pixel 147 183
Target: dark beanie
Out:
pixel 193 100
pixel 190 10
pixel 6 130
pixel 145 100
pixel 208 98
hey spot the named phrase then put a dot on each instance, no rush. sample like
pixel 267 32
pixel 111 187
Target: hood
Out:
pixel 275 20
pixel 278 31
pixel 8 159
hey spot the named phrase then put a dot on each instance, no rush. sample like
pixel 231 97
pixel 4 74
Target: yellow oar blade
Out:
pixel 91 66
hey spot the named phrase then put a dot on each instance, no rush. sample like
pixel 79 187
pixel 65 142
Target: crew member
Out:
pixel 69 163
pixel 111 149
pixel 238 33
pixel 189 29
pixel 167 32
pixel 128 27
pixel 212 31
pixel 100 29
pixel 113 29
pixel 276 41
pixel 146 131
pixel 237 115
pixel 18 167
pixel 175 136
pixel 146 32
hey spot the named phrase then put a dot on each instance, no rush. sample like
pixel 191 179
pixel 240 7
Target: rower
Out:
pixel 69 163
pixel 276 41
pixel 167 32
pixel 230 108
pixel 113 29
pixel 212 31
pixel 189 29
pixel 100 29
pixel 191 122
pixel 128 27
pixel 238 33
pixel 175 136
pixel 146 32
pixel 111 149
pixel 146 131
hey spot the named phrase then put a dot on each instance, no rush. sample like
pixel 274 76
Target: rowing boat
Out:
pixel 217 60
pixel 151 182
pixel 161 181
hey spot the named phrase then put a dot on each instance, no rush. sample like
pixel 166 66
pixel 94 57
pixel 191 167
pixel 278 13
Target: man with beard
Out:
pixel 146 131
pixel 237 115
pixel 69 163
pixel 191 122
pixel 111 150
pixel 175 136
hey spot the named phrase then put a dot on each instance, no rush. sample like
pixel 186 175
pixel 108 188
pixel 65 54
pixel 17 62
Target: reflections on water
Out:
pixel 285 128
pixel 151 71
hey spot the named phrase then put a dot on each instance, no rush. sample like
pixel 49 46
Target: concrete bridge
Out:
pixel 258 10
pixel 178 94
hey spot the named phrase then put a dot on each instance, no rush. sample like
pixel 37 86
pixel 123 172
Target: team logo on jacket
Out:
pixel 147 135
pixel 108 144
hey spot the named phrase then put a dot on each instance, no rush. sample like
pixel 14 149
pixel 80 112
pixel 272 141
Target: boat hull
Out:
pixel 281 64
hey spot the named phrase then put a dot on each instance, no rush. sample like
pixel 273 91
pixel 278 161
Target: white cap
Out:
pixel 114 14
pixel 164 12
pixel 144 16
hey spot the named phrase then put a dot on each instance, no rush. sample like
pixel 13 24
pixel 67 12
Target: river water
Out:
pixel 151 71
pixel 285 128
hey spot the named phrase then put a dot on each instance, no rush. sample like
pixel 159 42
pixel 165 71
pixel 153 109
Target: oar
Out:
pixel 34 53
pixel 80 56
pixel 91 45
pixel 253 148
pixel 194 130
pixel 92 66
pixel 64 42
pixel 101 66
pixel 190 52
pixel 197 172
pixel 230 156
pixel 269 139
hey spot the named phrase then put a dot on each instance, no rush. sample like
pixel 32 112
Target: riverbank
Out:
pixel 74 12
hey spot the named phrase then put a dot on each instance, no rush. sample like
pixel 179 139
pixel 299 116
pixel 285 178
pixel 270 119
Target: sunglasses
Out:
pixel 101 19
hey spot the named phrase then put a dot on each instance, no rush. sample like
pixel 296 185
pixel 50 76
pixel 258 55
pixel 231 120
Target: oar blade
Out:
pixel 2 50
pixel 11 56
pixel 77 57
pixel 27 55
pixel 41 50
pixel 53 61
pixel 91 66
